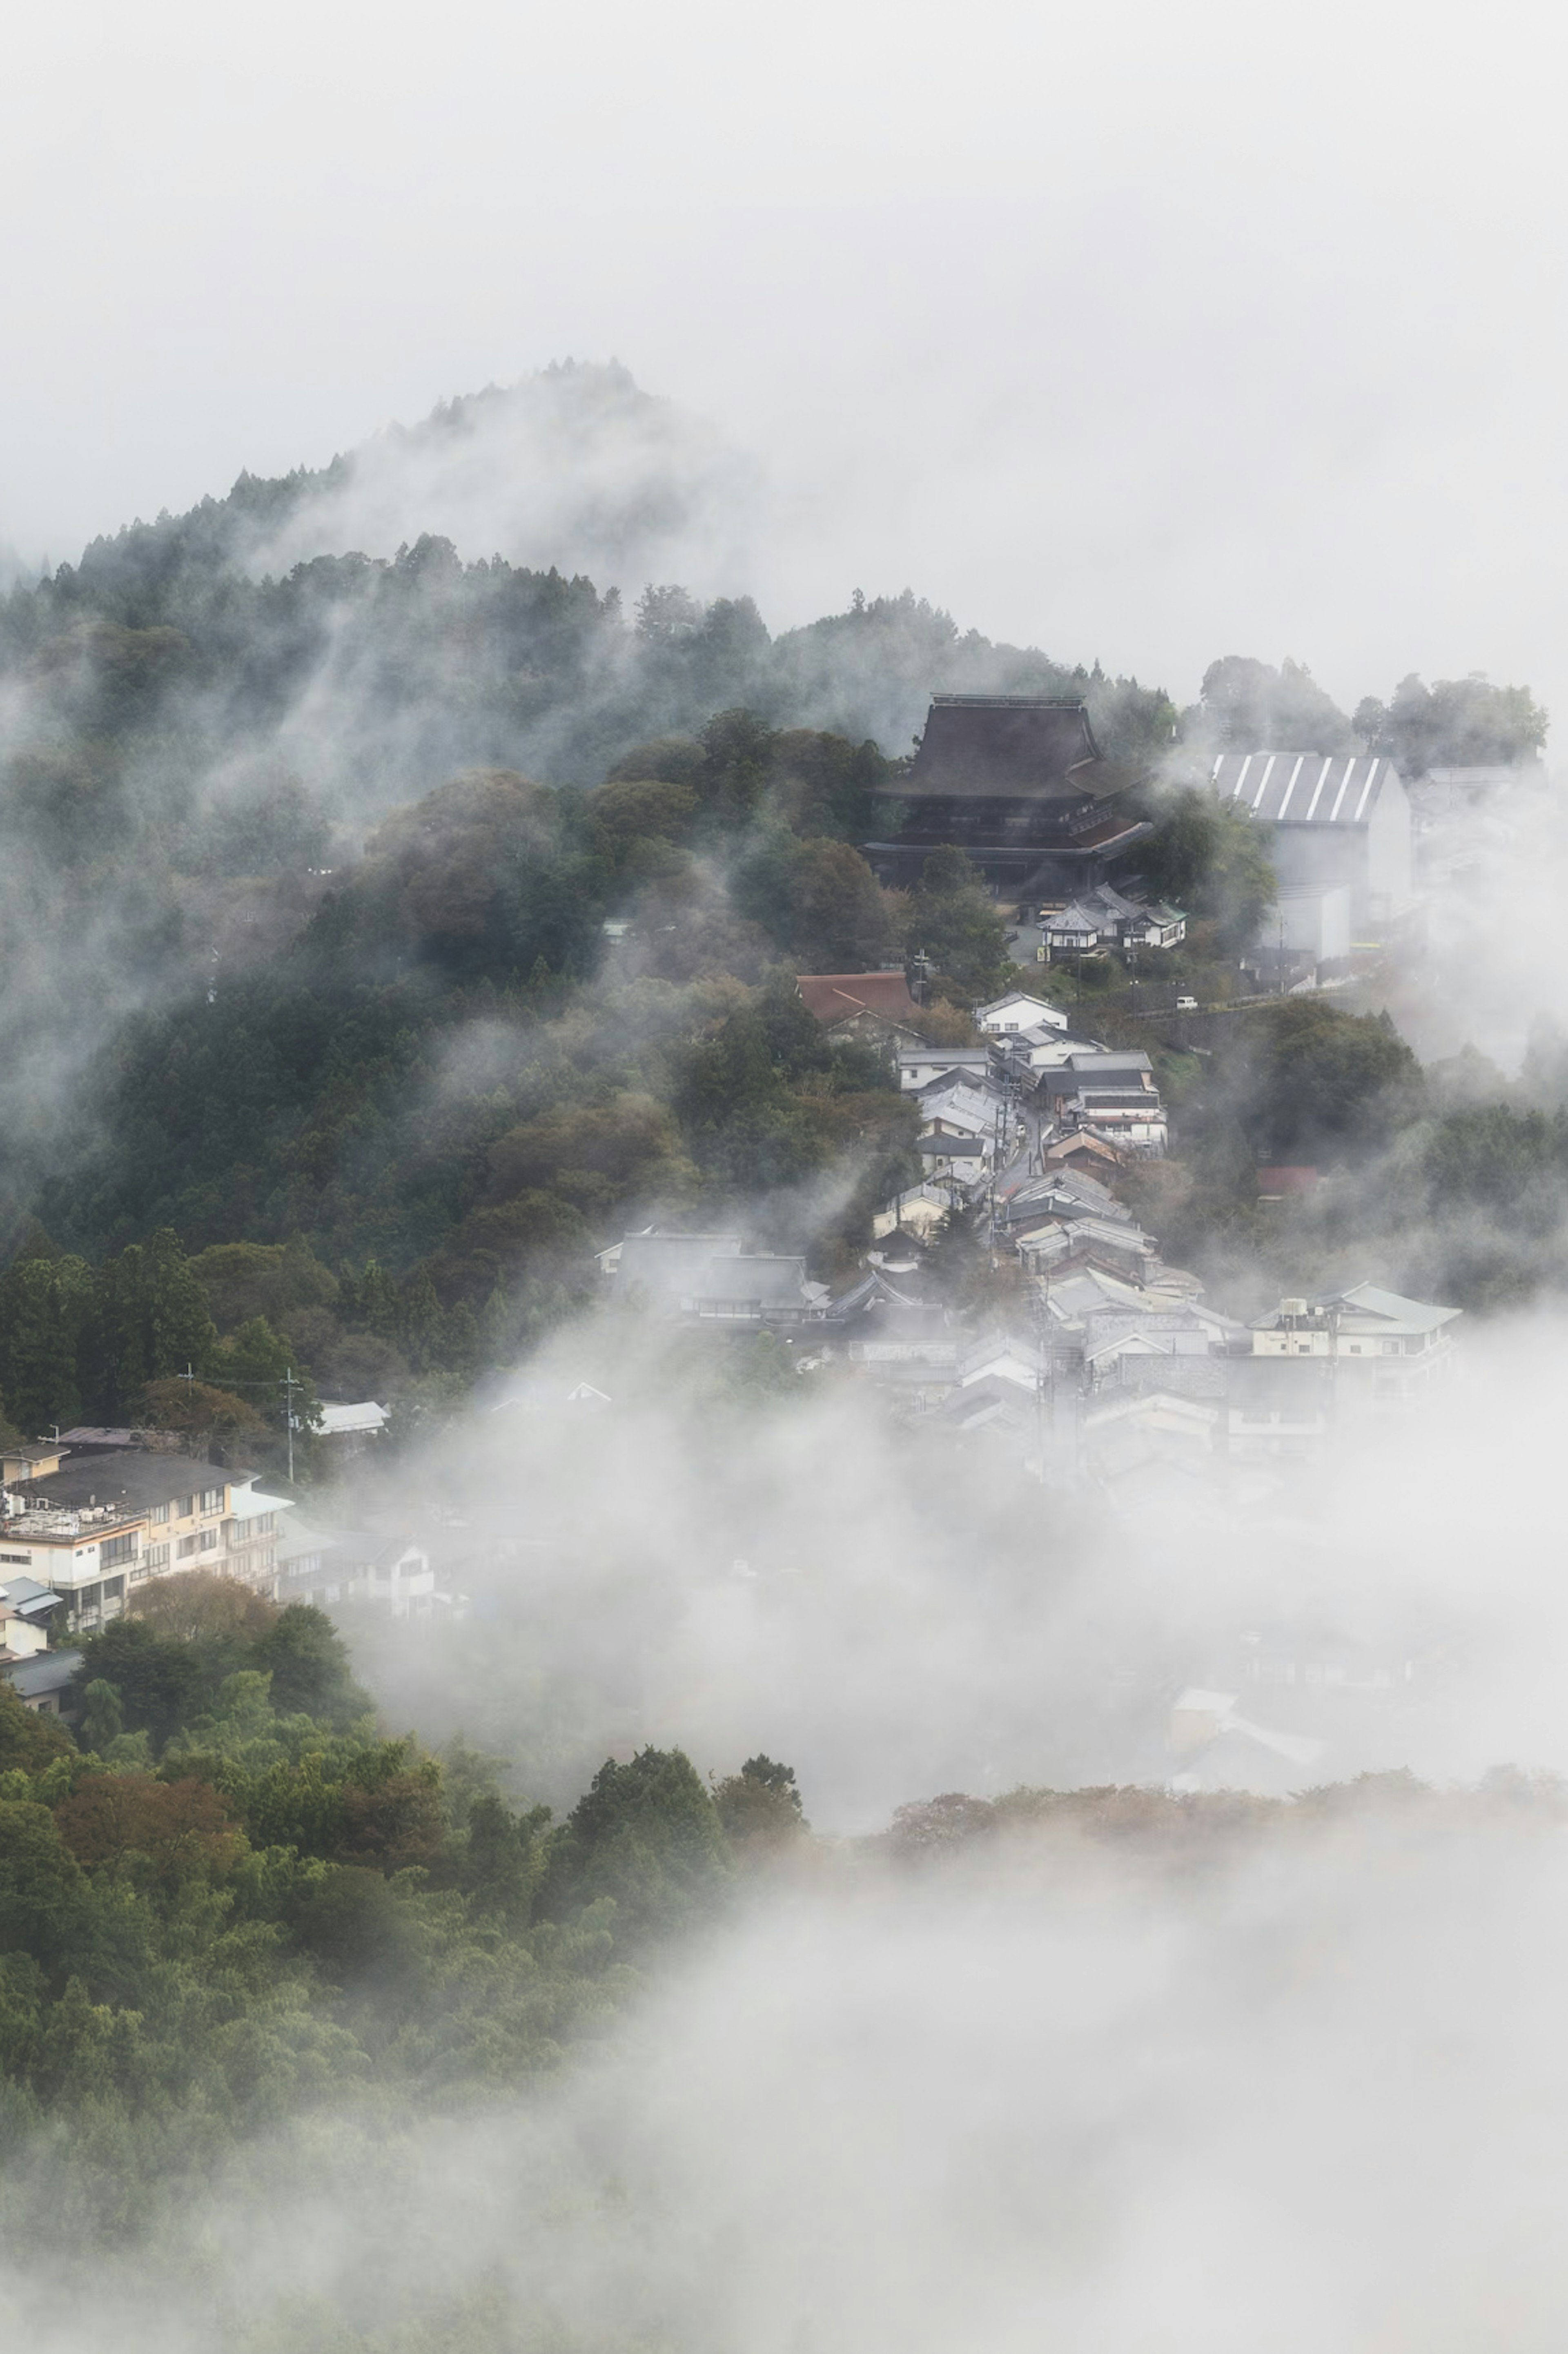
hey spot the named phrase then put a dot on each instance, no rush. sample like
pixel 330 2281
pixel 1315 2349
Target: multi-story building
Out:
pixel 94 1524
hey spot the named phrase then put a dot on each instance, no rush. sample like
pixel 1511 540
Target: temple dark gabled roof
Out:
pixel 1002 746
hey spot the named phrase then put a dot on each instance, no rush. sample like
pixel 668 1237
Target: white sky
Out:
pixel 1142 331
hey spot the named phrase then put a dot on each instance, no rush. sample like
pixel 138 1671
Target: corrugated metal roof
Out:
pixel 1302 788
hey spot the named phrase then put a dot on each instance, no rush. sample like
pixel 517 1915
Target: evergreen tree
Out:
pixel 45 1305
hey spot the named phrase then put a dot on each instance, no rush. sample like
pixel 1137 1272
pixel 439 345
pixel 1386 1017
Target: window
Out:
pixel 117 1549
pixel 209 1540
pixel 160 1513
pixel 19 1560
pixel 187 1546
pixel 184 1507
pixel 212 1500
pixel 157 1556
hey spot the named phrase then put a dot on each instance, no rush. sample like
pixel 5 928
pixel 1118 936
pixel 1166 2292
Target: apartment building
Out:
pixel 93 1525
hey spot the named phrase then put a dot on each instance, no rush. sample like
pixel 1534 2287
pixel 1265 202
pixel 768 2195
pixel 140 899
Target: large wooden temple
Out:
pixel 1018 783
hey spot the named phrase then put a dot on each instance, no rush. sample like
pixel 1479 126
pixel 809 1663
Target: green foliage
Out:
pixel 1212 862
pixel 1456 723
pixel 44 1307
pixel 150 1320
pixel 1325 1083
pixel 155 1680
pixel 646 1835
pixel 821 902
pixel 289 1908
pixel 308 1662
pixel 1250 707
pixel 760 1807
pixel 953 923
pixel 29 1743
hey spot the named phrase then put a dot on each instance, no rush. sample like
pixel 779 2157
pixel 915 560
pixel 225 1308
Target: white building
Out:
pixel 1016 1011
pixel 1332 820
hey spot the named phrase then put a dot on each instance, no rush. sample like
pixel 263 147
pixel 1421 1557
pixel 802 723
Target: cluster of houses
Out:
pixel 1032 1094
pixel 1105 918
pixel 87 1518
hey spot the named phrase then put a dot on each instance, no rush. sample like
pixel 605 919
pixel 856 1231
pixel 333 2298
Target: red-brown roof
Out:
pixel 835 996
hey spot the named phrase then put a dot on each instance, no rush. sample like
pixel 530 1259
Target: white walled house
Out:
pixel 918 1066
pixel 1018 1011
pixel 1332 819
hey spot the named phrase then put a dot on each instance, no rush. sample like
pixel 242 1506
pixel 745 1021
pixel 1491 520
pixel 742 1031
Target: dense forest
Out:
pixel 237 1897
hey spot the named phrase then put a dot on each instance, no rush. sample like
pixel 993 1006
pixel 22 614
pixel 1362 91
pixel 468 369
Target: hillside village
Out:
pixel 1006 1302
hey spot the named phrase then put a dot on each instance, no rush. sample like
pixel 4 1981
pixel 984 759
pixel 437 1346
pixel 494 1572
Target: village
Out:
pixel 1081 1364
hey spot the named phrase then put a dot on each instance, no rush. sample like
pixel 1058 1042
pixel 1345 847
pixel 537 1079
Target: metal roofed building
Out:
pixel 1335 819
pixel 1394 1349
pixel 1016 782
pixel 43 1683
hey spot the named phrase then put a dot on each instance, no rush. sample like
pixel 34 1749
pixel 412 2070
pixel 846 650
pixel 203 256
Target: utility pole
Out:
pixel 288 1386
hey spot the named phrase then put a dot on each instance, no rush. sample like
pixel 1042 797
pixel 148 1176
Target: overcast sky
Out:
pixel 1147 332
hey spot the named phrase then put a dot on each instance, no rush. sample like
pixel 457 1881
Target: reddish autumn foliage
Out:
pixel 179 1827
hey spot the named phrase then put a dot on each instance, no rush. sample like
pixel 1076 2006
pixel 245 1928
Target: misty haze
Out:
pixel 783 1187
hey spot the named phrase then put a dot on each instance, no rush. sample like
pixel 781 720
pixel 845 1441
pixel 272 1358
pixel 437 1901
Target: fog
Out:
pixel 1142 333
pixel 1282 2094
pixel 1134 334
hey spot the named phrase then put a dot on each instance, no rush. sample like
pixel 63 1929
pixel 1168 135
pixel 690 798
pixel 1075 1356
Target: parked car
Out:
pixel 1186 1005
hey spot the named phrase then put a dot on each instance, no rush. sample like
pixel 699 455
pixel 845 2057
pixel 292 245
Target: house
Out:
pixel 1132 922
pixel 44 1682
pixel 1072 930
pixel 1334 822
pixel 708 1278
pixel 334 1568
pixel 920 1212
pixel 1018 1012
pixel 1155 925
pixel 860 1004
pixel 1084 1152
pixel 1394 1350
pixel 913 1350
pixel 964 1157
pixel 1041 1049
pixel 1103 1241
pixel 956 1104
pixel 918 1066
pixel 1114 1095
pixel 20 1636
pixel 348 1430
pixel 1002 1356
pixel 1060 1194
pixel 1019 784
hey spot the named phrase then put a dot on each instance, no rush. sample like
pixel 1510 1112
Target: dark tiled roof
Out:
pixel 997 746
pixel 128 1477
